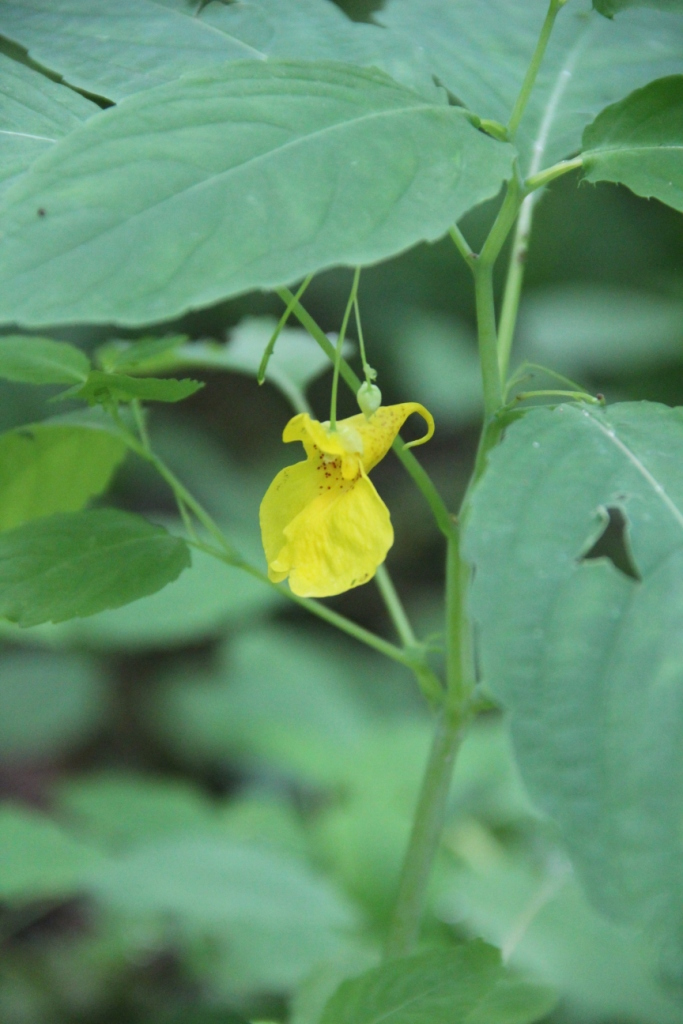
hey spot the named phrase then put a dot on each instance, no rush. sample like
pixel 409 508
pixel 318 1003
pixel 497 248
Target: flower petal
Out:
pixel 337 541
pixel 378 433
pixel 292 489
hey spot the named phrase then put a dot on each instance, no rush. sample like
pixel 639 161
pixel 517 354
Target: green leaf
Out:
pixel 466 985
pixel 48 702
pixel 134 46
pixel 531 906
pixel 585 655
pixel 109 388
pixel 80 563
pixel 611 7
pixel 480 52
pixel 384 169
pixel 205 601
pixel 41 361
pixel 34 113
pixel 55 466
pixel 38 860
pixel 600 330
pixel 639 142
pixel 274 918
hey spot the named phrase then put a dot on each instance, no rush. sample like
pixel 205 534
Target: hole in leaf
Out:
pixel 613 543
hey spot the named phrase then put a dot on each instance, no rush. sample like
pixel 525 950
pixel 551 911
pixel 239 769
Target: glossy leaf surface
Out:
pixel 639 142
pixel 79 563
pixel 585 646
pixel 139 235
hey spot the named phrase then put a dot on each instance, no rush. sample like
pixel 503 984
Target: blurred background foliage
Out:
pixel 206 795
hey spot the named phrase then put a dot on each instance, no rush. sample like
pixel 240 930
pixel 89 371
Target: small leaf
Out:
pixel 55 466
pixel 384 169
pixel 80 563
pixel 639 142
pixel 206 600
pixel 466 985
pixel 109 388
pixel 41 361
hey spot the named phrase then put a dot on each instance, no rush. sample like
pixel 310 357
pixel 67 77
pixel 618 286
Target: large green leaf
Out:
pixel 136 44
pixel 273 917
pixel 139 236
pixel 80 563
pixel 41 361
pixel 639 142
pixel 587 657
pixel 480 52
pixel 34 113
pixel 55 466
pixel 466 985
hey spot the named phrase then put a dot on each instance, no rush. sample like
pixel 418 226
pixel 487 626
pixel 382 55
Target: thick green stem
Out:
pixel 460 673
pixel 419 475
pixel 534 67
pixel 425 836
pixel 488 344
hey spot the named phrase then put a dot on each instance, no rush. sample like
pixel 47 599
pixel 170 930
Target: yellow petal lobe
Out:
pixel 323 523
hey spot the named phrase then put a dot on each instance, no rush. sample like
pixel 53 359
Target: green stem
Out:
pixel 270 347
pixel 536 181
pixel 395 607
pixel 514 283
pixel 425 836
pixel 340 345
pixel 487 337
pixel 534 68
pixel 419 475
pixel 461 244
pixel 460 672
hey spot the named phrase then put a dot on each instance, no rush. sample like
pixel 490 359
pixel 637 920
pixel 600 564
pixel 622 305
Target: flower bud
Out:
pixel 369 398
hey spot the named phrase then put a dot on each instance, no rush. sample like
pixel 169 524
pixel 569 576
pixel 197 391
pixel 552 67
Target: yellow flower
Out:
pixel 323 523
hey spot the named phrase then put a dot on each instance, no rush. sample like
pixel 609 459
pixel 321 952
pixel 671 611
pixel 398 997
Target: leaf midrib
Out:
pixel 658 489
pixel 631 150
